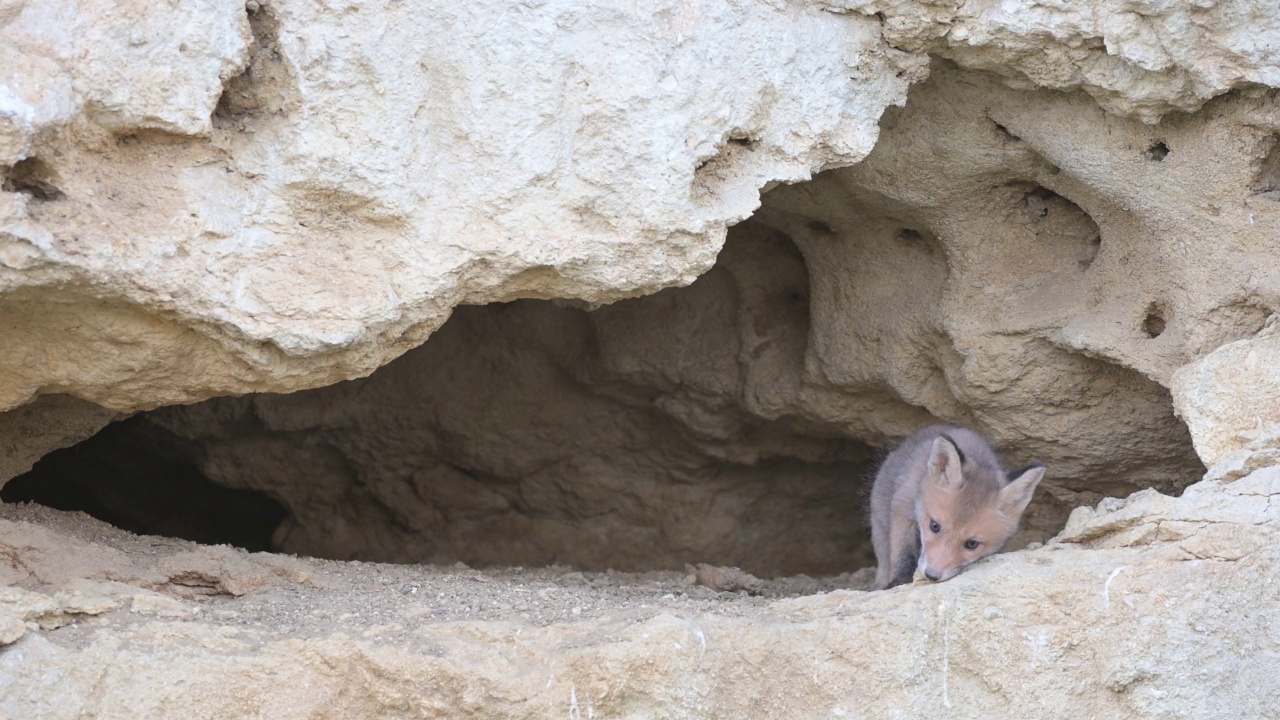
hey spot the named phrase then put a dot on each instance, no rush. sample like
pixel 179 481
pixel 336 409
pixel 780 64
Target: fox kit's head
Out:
pixel 967 510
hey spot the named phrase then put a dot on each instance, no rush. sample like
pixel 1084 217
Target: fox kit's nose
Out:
pixel 932 574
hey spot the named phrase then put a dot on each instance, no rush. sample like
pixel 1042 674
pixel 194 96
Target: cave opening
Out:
pixel 639 436
pixel 138 477
pixel 736 421
pixel 704 424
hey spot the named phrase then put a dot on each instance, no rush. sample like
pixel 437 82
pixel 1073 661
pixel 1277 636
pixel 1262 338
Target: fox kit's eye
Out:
pixel 934 526
pixel 971 544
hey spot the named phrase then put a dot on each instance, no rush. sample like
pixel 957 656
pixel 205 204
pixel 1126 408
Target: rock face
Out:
pixel 1053 222
pixel 326 182
pixel 1138 58
pixel 971 280
pixel 310 205
pixel 219 201
pixel 1230 398
pixel 1148 607
pixel 52 422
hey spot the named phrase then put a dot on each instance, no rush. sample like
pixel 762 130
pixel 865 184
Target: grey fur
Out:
pixel 897 486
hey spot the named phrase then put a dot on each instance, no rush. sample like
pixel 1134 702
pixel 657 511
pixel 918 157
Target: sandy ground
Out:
pixel 1125 614
pixel 283 596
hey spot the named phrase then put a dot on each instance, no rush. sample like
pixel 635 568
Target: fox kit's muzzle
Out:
pixel 935 574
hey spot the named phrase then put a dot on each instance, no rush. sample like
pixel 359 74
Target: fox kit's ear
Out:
pixel 1015 496
pixel 944 463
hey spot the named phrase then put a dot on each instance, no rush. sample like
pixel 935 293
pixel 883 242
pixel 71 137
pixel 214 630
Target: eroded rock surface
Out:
pixel 1138 58
pixel 1230 399
pixel 1147 607
pixel 1033 248
pixel 644 435
pixel 217 201
pixel 982 278
pixel 220 200
pixel 1075 213
pixel 970 270
pixel 52 422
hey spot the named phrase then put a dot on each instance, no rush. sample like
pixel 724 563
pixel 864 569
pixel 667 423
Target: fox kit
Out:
pixel 941 501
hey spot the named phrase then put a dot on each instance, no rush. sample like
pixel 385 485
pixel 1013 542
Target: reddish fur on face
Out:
pixel 971 513
pixel 967 509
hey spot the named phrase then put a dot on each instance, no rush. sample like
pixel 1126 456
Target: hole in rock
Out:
pixel 138 476
pixel 910 237
pixel 33 177
pixel 821 228
pixel 264 86
pixel 1154 323
pixel 670 429
pixel 642 435
pixel 1063 226
pixel 1003 132
pixel 1158 152
pixel 1267 180
pixel 727 162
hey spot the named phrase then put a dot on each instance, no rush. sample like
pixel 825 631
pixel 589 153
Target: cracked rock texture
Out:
pixel 1152 606
pixel 1140 58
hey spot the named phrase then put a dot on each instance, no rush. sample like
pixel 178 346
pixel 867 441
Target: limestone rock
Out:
pixel 224 199
pixel 1230 398
pixel 52 422
pixel 985 278
pixel 1143 58
pixel 124 68
pixel 724 579
pixel 209 201
pixel 973 270
pixel 1072 215
pixel 21 610
pixel 276 199
pixel 11 628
